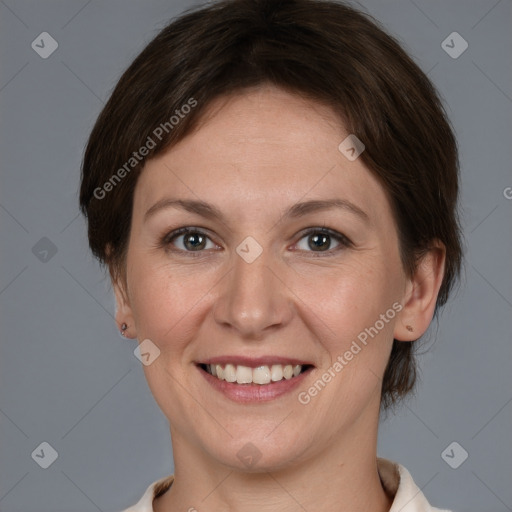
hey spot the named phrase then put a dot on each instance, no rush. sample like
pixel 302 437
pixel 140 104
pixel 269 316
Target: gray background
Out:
pixel 66 376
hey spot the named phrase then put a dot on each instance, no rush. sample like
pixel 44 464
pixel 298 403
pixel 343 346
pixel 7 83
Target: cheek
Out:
pixel 169 301
pixel 347 298
pixel 168 305
pixel 345 307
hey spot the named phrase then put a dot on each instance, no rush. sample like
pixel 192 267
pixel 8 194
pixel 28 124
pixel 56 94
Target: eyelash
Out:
pixel 343 241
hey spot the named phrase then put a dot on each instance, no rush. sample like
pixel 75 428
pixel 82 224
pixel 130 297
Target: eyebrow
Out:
pixel 295 211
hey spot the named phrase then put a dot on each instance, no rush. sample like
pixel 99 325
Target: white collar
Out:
pixel 398 483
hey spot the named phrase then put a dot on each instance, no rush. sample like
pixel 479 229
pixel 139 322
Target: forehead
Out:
pixel 261 148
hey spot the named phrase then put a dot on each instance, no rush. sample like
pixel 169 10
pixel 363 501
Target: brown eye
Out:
pixel 194 241
pixel 321 240
pixel 188 240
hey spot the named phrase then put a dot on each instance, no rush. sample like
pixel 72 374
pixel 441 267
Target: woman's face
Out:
pixel 271 280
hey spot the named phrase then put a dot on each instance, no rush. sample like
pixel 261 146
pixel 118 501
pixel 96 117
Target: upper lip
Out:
pixel 254 362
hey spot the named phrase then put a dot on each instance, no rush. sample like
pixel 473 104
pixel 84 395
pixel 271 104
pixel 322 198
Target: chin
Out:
pixel 253 453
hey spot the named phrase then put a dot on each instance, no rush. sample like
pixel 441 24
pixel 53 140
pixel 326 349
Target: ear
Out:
pixel 124 313
pixel 421 293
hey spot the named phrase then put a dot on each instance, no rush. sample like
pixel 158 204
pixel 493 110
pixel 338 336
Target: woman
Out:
pixel 273 187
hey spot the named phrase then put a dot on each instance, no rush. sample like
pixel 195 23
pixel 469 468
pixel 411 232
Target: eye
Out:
pixel 193 240
pixel 321 239
pixel 188 240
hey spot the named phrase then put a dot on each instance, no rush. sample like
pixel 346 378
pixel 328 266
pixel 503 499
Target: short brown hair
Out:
pixel 321 49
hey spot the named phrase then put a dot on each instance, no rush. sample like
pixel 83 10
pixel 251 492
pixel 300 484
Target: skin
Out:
pixel 255 155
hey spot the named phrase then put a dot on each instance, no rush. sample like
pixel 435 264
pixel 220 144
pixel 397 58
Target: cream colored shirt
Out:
pixel 396 480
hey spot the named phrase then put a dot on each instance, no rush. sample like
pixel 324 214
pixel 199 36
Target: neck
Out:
pixel 341 478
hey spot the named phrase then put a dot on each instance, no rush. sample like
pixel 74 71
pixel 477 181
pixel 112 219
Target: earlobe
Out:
pixel 124 316
pixel 421 295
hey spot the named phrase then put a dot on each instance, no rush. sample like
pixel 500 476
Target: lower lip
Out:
pixel 245 393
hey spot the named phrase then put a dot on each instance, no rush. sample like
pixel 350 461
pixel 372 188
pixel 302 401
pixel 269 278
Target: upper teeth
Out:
pixel 260 375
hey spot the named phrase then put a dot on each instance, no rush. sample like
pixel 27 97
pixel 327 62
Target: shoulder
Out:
pixel 398 483
pixel 155 489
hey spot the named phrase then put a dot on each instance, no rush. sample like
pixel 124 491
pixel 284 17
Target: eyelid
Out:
pixel 183 231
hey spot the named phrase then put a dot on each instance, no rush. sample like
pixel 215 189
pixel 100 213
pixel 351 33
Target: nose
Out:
pixel 254 299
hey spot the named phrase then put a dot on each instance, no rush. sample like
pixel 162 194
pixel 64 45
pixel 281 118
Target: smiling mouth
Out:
pixel 261 375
